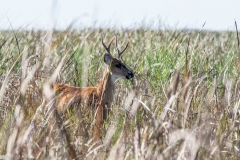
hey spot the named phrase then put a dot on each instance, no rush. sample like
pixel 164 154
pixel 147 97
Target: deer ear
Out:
pixel 107 59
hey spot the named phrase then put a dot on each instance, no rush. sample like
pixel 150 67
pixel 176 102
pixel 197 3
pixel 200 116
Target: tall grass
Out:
pixel 182 103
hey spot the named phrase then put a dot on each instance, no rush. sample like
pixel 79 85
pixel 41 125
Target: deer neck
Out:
pixel 106 86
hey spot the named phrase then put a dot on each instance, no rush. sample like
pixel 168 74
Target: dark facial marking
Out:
pixel 118 65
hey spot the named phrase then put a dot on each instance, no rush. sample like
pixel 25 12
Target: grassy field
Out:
pixel 183 102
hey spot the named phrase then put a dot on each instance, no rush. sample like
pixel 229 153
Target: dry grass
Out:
pixel 182 104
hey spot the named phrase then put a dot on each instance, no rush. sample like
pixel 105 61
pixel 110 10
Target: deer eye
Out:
pixel 118 65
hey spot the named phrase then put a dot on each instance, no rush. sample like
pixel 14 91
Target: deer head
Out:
pixel 116 67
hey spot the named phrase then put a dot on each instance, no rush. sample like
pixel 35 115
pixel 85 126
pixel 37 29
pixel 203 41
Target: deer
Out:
pixel 100 96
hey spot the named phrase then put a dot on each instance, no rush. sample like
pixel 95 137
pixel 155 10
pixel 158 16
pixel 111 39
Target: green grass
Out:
pixel 203 103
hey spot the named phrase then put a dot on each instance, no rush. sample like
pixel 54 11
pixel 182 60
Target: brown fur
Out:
pixel 99 97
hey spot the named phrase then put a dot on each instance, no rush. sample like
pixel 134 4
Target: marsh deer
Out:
pixel 101 96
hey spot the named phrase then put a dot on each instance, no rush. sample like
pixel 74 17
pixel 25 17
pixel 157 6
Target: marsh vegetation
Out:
pixel 182 103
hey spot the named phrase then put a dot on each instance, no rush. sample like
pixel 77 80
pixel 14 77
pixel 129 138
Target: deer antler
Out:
pixel 120 52
pixel 107 48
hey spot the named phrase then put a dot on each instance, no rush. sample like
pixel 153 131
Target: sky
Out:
pixel 219 15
